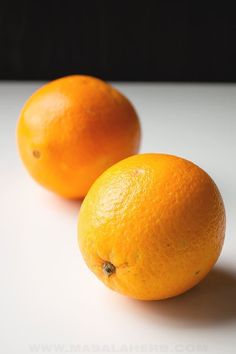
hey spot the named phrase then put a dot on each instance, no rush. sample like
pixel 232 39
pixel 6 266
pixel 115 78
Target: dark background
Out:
pixel 118 40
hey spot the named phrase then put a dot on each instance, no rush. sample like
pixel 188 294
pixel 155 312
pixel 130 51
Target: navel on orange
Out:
pixel 72 129
pixel 152 226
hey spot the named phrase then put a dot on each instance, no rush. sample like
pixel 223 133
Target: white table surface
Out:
pixel 51 302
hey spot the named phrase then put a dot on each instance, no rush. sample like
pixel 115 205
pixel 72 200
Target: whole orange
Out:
pixel 152 226
pixel 72 129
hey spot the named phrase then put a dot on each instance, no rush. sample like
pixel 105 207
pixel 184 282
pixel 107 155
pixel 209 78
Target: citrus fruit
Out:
pixel 152 226
pixel 72 129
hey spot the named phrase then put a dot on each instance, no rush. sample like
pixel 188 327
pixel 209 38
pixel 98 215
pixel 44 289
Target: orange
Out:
pixel 72 129
pixel 152 226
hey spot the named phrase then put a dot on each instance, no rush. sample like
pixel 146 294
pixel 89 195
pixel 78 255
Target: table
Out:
pixel 51 302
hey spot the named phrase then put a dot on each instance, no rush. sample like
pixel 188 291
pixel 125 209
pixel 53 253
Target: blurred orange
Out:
pixel 74 128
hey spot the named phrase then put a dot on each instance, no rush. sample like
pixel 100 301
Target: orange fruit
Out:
pixel 74 128
pixel 152 226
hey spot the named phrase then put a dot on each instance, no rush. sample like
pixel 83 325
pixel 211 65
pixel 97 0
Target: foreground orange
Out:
pixel 74 128
pixel 152 226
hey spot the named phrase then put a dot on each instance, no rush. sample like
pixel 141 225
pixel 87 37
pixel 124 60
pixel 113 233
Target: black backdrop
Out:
pixel 118 40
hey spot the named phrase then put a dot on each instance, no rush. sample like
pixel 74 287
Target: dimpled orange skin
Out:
pixel 74 128
pixel 158 219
